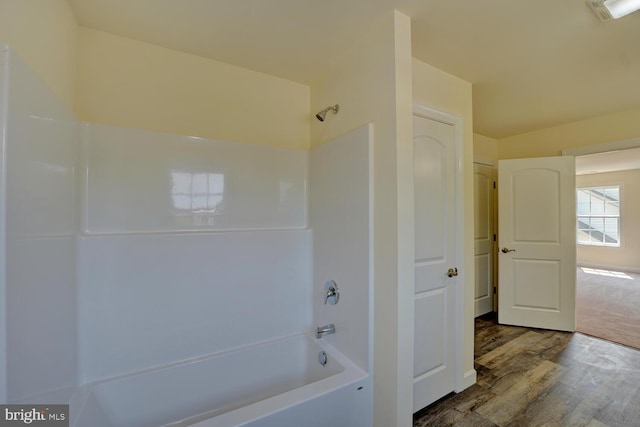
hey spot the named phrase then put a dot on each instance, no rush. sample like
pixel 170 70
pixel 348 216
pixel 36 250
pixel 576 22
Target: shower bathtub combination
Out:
pixel 180 279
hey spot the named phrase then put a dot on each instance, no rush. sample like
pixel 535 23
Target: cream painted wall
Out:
pixel 44 34
pixel 372 84
pixel 485 150
pixel 435 88
pixel 627 256
pixel 128 83
pixel 550 141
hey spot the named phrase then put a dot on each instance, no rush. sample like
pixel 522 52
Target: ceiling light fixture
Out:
pixel 613 9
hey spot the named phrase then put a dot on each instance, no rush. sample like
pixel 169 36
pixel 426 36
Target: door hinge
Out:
pixel 495 290
pixel 494 184
pixel 494 237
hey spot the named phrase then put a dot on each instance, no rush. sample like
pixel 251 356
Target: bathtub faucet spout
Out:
pixel 325 330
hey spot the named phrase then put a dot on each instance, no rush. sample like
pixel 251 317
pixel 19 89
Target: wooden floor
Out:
pixel 533 377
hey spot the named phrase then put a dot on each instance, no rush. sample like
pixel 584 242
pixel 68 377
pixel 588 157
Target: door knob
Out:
pixel 452 272
pixel 507 250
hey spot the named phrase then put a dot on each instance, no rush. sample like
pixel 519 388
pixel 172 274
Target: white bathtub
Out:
pixel 277 384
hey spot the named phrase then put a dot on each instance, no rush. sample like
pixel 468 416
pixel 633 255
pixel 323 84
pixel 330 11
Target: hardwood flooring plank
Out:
pixel 552 408
pixel 490 335
pixel 553 346
pixel 509 350
pixel 505 375
pixel 509 404
pixel 456 407
pixel 590 406
pixel 623 404
pixel 533 377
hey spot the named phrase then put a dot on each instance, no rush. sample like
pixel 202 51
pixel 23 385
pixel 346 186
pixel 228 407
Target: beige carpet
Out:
pixel 608 305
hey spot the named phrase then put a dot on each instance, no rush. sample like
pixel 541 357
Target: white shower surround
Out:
pixel 152 293
pixel 151 300
pixel 195 283
pixel 136 181
pixel 38 224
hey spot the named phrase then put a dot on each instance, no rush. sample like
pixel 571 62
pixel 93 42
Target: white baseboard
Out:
pixel 609 267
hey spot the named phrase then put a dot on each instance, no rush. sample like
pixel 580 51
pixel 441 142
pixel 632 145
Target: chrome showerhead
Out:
pixel 322 114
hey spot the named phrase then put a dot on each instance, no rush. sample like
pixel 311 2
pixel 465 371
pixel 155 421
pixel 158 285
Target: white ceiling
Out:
pixel 533 63
pixel 611 161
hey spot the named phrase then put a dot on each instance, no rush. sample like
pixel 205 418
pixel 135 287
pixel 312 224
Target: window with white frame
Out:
pixel 598 212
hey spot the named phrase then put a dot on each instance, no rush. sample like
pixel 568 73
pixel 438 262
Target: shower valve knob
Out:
pixel 331 293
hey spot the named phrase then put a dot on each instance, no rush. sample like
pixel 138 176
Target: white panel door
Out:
pixel 434 167
pixel 537 239
pixel 483 243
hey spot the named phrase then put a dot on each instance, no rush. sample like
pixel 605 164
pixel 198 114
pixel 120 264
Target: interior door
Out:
pixel 537 240
pixel 484 186
pixel 434 168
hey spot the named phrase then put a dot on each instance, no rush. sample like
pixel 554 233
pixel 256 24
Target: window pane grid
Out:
pixel 598 216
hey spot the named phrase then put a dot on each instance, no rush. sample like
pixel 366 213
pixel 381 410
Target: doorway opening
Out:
pixel 608 245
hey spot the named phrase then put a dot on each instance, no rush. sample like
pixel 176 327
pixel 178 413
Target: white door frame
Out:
pixel 492 238
pixel 462 379
pixel 602 148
